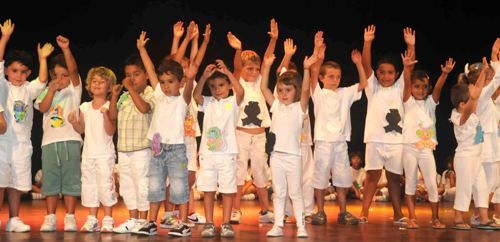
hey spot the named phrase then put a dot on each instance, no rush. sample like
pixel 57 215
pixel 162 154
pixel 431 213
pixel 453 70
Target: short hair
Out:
pixel 170 66
pixel 421 75
pixel 218 74
pixel 20 56
pixel 328 64
pixel 459 93
pixel 292 78
pixel 134 60
pixel 474 70
pixel 250 56
pixel 104 72
pixel 388 60
pixel 57 60
pixel 358 154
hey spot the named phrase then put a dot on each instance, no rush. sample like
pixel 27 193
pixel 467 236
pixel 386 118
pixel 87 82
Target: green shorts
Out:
pixel 61 168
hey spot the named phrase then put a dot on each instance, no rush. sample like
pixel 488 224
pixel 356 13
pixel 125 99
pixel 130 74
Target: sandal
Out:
pixel 363 220
pixel 412 224
pixel 401 221
pixel 490 225
pixel 461 226
pixel 436 224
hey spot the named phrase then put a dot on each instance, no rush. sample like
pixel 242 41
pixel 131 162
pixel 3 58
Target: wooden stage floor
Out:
pixel 380 226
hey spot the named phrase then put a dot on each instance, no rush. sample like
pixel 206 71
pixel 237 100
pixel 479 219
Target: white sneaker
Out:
pixel 301 232
pixel 107 224
pixel 268 217
pixel 70 223
pixel 139 223
pixel 49 223
pixel 37 196
pixel 276 231
pixel 126 227
pixel 331 197
pixel 15 224
pixel 474 220
pixel 91 225
pixel 248 197
pixel 197 218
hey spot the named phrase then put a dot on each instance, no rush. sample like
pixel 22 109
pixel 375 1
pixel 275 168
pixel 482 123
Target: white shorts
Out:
pixel 380 155
pixel 331 157
pixel 217 170
pixel 191 153
pixel 98 185
pixel 15 165
pixel 413 159
pixel 133 170
pixel 252 147
pixel 471 183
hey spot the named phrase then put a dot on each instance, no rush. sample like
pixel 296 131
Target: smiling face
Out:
pixel 99 86
pixel 17 73
pixel 386 74
pixel 420 88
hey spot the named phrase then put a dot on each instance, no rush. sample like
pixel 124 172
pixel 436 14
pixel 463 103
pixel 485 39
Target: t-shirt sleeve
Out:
pixel 84 107
pixel 371 86
pixel 353 94
pixel 274 105
pixel 35 88
pixel 455 117
pixel 400 84
pixel 40 98
pixel 202 107
pixel 316 94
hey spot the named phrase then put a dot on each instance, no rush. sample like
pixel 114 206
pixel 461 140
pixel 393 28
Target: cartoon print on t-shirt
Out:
pixel 393 118
pixel 252 110
pixel 20 111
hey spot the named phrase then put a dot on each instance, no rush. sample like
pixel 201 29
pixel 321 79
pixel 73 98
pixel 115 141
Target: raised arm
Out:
pixel 445 70
pixel 3 124
pixel 273 34
pixel 201 52
pixel 52 88
pixel 409 64
pixel 495 50
pixel 356 58
pixel 369 36
pixel 289 49
pixel 197 93
pixel 194 44
pixel 409 37
pixel 148 64
pixel 43 54
pixel 192 28
pixel 238 90
pixel 7 29
pixel 264 82
pixel 116 89
pixel 319 50
pixel 306 91
pixel 474 93
pixel 63 43
pixel 178 31
pixel 235 43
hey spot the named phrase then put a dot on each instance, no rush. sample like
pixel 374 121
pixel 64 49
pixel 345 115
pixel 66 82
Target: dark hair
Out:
pixel 292 78
pixel 171 67
pixel 421 75
pixel 218 74
pixel 20 56
pixel 388 60
pixel 459 93
pixel 328 64
pixel 134 60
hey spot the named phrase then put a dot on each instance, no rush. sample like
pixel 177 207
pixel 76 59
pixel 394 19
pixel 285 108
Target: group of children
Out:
pixel 157 128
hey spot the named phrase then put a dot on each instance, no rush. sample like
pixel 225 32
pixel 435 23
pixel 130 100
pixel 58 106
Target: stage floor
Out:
pixel 379 228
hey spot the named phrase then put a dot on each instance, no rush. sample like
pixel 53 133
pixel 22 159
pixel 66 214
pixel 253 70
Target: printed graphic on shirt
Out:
pixel 121 100
pixel 393 118
pixel 215 141
pixel 425 136
pixel 20 111
pixel 479 137
pixel 156 146
pixel 189 130
pixel 252 110
pixel 56 116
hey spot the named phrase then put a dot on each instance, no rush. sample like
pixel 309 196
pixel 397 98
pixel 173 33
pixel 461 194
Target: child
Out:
pixel 471 178
pixel 384 129
pixel 166 134
pixel 447 184
pixel 496 99
pixel 98 156
pixel 61 144
pixel 288 111
pixel 16 96
pixel 332 131
pixel 36 188
pixel 134 111
pixel 252 122
pixel 218 147
pixel 358 175
pixel 419 134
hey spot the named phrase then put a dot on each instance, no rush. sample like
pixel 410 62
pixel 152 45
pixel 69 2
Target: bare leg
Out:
pixel 227 200
pixel 208 202
pixel 395 193
pixel 237 198
pixel 191 180
pixel 372 177
pixel 154 207
pixel 14 201
pixel 51 203
pixel 70 204
pixel 342 198
pixel 319 194
pixel 263 198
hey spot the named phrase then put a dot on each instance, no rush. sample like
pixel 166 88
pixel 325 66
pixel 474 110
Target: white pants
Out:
pixel 286 171
pixel 253 147
pixel 471 183
pixel 15 165
pixel 133 169
pixel 413 159
pixel 98 185
pixel 307 188
pixel 492 171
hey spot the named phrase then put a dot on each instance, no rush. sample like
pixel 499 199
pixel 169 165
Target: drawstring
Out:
pixel 57 155
pixel 66 153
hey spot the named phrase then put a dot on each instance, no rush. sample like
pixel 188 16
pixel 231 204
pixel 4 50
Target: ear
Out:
pixel 29 72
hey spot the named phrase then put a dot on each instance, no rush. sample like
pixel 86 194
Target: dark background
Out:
pixel 105 33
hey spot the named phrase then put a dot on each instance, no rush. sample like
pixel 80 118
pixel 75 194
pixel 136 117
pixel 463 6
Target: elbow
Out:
pixel 3 128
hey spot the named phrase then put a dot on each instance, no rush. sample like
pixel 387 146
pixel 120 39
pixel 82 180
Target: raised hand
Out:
pixel 142 40
pixel 321 52
pixel 207 33
pixel 55 85
pixel 209 70
pixel 409 36
pixel 7 28
pixel 268 60
pixel 289 47
pixel 192 30
pixel 222 67
pixel 318 39
pixel 116 89
pixel 45 50
pixel 407 58
pixel 196 32
pixel 448 66
pixel 369 33
pixel 273 32
pixel 234 42
pixel 62 42
pixel 308 61
pixel 355 56
pixel 178 29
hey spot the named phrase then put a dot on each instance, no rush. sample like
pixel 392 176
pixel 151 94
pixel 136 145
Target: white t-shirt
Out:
pixel 420 123
pixel 286 124
pixel 305 136
pixel 191 126
pixel 97 143
pixel 219 126
pixel 469 135
pixel 486 107
pixel 384 116
pixel 359 175
pixel 253 109
pixel 55 125
pixel 497 104
pixel 332 110
pixel 18 104
pixel 168 118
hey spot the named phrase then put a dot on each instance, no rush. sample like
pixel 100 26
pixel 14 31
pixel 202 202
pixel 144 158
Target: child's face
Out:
pixel 99 87
pixel 250 72
pixel 62 74
pixel 286 93
pixel 169 84
pixel 356 162
pixel 17 73
pixel 386 74
pixel 138 76
pixel 219 88
pixel 420 88
pixel 331 78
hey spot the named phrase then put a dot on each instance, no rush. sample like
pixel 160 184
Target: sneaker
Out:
pixel 474 221
pixel 91 225
pixel 266 217
pixel 49 223
pixel 15 224
pixel 301 232
pixel 331 197
pixel 208 231
pixel 235 216
pixel 149 228
pixel 70 223
pixel 169 219
pixel 319 218
pixel 197 218
pixel 276 231
pixel 248 197
pixel 139 223
pixel 181 230
pixel 226 231
pixel 126 227
pixel 347 218
pixel 107 224
pixel 37 196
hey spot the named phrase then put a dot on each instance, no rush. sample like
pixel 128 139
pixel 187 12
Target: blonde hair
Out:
pixel 104 72
pixel 250 56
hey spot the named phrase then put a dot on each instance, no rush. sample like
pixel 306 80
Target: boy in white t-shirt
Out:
pixel 332 130
pixel 16 96
pixel 218 147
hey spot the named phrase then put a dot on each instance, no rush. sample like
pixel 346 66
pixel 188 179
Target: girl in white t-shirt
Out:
pixel 98 156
